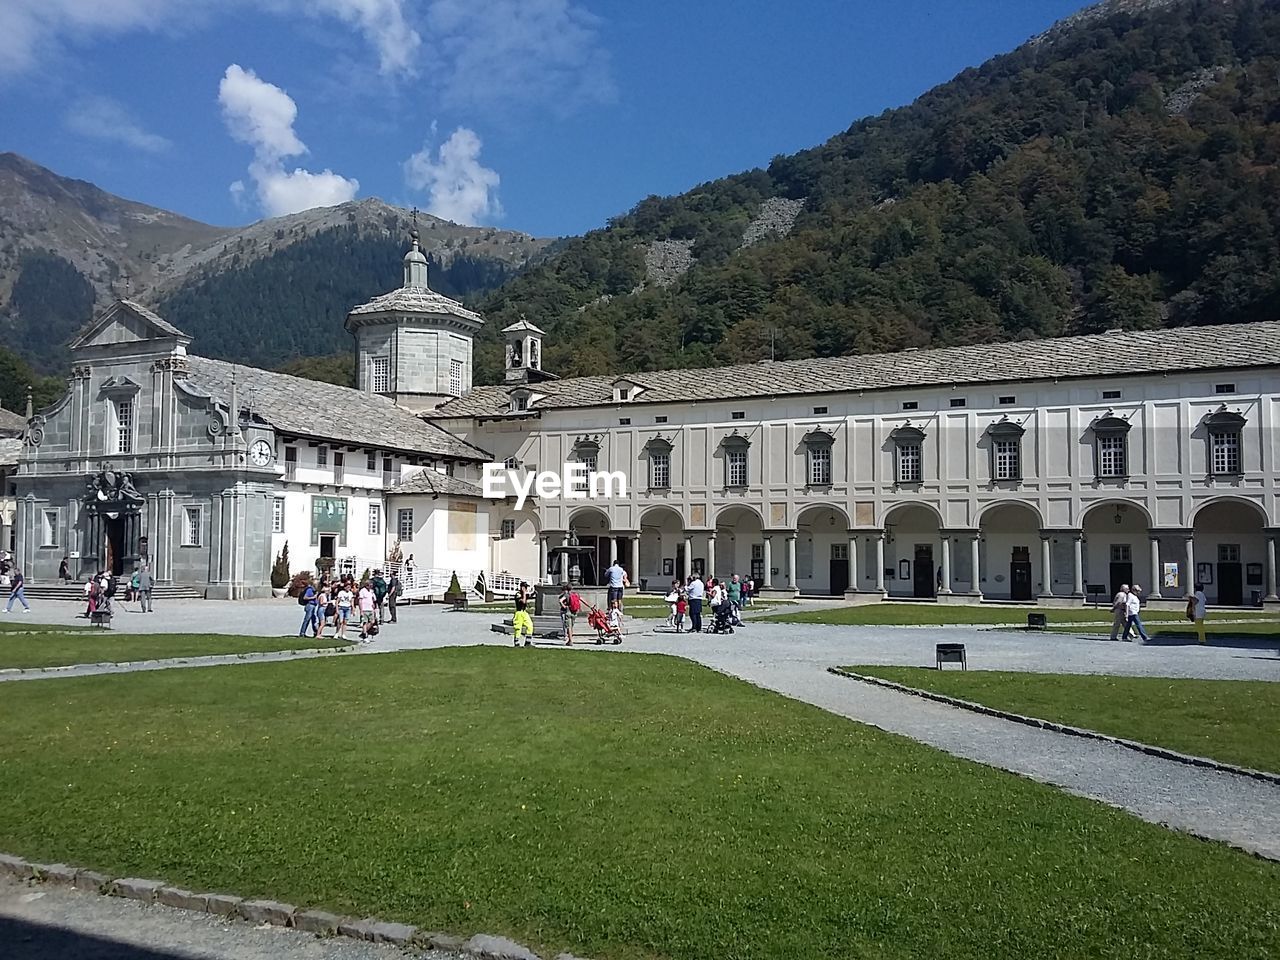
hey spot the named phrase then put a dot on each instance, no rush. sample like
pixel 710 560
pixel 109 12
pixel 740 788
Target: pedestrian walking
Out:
pixel 1120 612
pixel 617 580
pixel 696 591
pixel 379 593
pixel 1135 618
pixel 367 602
pixel 1197 607
pixel 570 604
pixel 145 583
pixel 521 624
pixel 17 591
pixel 394 589
pixel 310 609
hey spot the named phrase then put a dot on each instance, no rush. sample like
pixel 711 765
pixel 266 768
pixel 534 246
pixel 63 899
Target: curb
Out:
pixel 230 907
pixel 213 659
pixel 1163 753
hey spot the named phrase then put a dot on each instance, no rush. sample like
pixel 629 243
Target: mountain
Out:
pixel 67 246
pixel 1120 170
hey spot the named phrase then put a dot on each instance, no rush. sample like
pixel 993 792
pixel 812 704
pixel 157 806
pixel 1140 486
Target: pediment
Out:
pixel 126 322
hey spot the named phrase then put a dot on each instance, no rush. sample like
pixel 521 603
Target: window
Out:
pixel 1110 394
pixel 387 471
pixel 659 451
pixel 1008 401
pixel 370 461
pixel 1224 388
pixel 738 415
pixel 818 445
pixel 404 524
pixel 910 405
pixel 339 466
pixel 1111 454
pixel 509 463
pixel 624 393
pixel 50 530
pixel 449 468
pixel 290 462
pixel 375 519
pixel 322 456
pixel 1228 553
pixel 1006 450
pixel 736 467
pixel 519 402
pixel 193 527
pixel 908 452
pixel 624 421
pixel 380 378
pixel 124 426
pixel 957 401
pixel 1121 553
pixel 508 531
pixel 455 377
pixel 819 411
pixel 659 419
pixel 277 515
pixel 1224 430
pixel 586 451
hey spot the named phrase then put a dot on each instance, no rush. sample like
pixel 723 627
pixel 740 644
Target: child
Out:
pixel 682 607
pixel 671 599
pixel 344 609
pixel 615 618
pixel 520 622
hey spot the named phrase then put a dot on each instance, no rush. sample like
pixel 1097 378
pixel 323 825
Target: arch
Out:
pixel 582 513
pixel 720 514
pixel 660 512
pixel 1227 498
pixel 997 504
pixel 1093 505
pixel 904 505
pixel 816 507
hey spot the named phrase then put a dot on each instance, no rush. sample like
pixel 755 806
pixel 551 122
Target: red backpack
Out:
pixel 575 603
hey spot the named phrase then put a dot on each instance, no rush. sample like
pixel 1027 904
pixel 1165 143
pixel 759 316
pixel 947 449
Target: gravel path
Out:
pixel 57 923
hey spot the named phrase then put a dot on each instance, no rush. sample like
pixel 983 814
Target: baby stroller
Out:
pixel 598 621
pixel 722 617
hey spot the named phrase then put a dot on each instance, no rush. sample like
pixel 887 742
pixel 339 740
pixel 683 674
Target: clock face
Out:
pixel 260 453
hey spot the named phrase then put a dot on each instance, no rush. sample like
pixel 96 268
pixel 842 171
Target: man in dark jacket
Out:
pixel 394 589
pixel 379 593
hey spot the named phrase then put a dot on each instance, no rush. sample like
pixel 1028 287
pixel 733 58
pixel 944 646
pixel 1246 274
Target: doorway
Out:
pixel 116 548
pixel 328 545
pixel 922 572
pixel 839 569
pixel 757 563
pixel 1020 574
pixel 1230 575
pixel 1121 566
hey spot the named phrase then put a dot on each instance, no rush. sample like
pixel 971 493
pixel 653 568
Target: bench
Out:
pixel 951 653
pixel 458 603
pixel 1037 621
pixel 100 618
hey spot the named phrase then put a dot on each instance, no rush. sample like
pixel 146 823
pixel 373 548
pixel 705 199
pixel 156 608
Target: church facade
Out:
pixel 1045 471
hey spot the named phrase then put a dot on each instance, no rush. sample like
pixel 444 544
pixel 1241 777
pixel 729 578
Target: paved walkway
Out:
pixel 792 659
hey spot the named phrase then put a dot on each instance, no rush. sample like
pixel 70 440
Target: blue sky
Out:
pixel 547 116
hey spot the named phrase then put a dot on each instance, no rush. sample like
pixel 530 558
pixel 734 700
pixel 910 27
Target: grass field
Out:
pixel 1223 719
pixel 616 806
pixel 55 649
pixel 940 614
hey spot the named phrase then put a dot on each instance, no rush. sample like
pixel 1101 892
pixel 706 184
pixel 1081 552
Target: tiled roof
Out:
pixel 10 450
pixel 309 408
pixel 415 300
pixel 1227 346
pixel 433 482
pixel 11 424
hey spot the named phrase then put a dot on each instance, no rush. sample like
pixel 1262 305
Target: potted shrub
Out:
pixel 280 572
pixel 454 594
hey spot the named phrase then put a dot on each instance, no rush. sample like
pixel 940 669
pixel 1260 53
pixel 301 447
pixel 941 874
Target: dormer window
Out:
pixel 624 391
pixel 736 462
pixel 1225 429
pixel 520 400
pixel 1111 448
pixel 1006 450
pixel 908 454
pixel 818 446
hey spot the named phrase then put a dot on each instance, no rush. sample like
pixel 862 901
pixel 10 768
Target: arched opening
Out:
pixel 822 551
pixel 661 546
pixel 912 551
pixel 1230 552
pixel 1010 560
pixel 589 541
pixel 740 543
pixel 1117 547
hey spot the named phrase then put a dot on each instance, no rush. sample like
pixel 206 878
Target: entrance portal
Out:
pixel 117 550
pixel 1020 574
pixel 923 571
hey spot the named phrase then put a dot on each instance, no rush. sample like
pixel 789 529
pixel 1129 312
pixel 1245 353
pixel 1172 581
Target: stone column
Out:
pixel 880 562
pixel 1046 565
pixel 711 554
pixel 791 561
pixel 1154 592
pixel 688 557
pixel 1189 577
pixel 542 556
pixel 613 550
pixel 1271 596
pixel 975 583
pixel 945 540
pixel 768 563
pixel 853 562
pixel 635 560
pixel 1077 564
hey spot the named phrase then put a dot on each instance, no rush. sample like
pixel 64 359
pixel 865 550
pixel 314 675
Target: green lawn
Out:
pixel 616 806
pixel 54 649
pixel 14 625
pixel 1183 632
pixel 1229 720
pixel 933 613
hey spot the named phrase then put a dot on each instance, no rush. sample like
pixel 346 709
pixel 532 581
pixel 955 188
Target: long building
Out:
pixel 1048 470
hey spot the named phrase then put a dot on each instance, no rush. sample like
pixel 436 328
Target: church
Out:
pixel 1047 471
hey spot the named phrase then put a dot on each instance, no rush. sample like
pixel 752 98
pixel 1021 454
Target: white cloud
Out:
pixel 105 119
pixel 261 115
pixel 504 53
pixel 458 186
pixel 32 29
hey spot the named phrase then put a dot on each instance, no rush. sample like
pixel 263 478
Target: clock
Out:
pixel 260 453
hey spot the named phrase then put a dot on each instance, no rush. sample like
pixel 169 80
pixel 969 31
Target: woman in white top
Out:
pixel 1199 605
pixel 345 599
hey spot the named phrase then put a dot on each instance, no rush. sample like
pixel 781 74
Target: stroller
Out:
pixel 598 621
pixel 722 617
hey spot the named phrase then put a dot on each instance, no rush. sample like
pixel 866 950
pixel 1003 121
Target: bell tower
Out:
pixel 524 353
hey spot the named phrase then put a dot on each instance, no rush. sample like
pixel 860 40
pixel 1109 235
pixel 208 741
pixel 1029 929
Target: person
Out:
pixel 17 583
pixel 131 591
pixel 345 598
pixel 570 604
pixel 735 598
pixel 749 592
pixel 615 618
pixel 672 597
pixel 521 622
pixel 1120 612
pixel 617 580
pixel 323 606
pixel 310 610
pixel 1134 621
pixel 1197 607
pixel 408 570
pixel 682 607
pixel 696 591
pixel 379 592
pixel 90 596
pixel 64 571
pixel 394 588
pixel 144 584
pixel 368 619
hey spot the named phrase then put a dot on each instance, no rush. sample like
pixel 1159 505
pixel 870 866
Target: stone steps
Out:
pixel 74 592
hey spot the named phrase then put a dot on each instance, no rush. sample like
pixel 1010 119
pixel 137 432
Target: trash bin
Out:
pixel 644 584
pixel 1037 621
